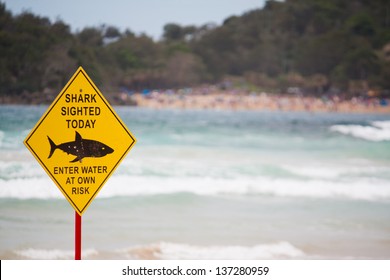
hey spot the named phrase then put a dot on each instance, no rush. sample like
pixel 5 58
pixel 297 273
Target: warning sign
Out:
pixel 79 141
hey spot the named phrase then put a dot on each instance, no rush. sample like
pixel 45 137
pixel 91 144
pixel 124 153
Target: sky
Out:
pixel 139 16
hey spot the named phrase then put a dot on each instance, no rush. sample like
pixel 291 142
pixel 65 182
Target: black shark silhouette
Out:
pixel 81 148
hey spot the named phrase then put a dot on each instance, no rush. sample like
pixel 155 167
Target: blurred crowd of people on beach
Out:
pixel 213 97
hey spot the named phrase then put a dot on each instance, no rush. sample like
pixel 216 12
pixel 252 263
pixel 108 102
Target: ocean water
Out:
pixel 210 185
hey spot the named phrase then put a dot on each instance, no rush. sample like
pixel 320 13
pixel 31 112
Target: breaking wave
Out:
pixel 364 189
pixel 377 131
pixel 55 254
pixel 173 251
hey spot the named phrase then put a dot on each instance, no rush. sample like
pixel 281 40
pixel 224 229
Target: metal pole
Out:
pixel 77 247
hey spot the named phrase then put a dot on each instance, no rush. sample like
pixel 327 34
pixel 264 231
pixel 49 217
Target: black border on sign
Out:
pixel 80 211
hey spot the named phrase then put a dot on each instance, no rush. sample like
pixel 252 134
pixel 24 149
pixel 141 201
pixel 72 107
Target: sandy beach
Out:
pixel 229 100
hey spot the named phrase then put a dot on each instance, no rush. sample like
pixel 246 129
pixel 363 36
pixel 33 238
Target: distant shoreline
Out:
pixel 260 102
pixel 221 100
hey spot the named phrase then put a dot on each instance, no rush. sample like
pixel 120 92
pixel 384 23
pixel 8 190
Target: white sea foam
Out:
pixel 174 251
pixel 178 251
pixel 362 189
pixel 366 189
pixel 381 124
pixel 283 249
pixel 29 188
pixel 55 254
pixel 379 131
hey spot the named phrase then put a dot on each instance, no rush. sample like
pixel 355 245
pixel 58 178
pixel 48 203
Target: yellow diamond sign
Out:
pixel 79 141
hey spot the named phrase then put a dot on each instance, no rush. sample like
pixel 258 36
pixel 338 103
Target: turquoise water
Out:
pixel 211 184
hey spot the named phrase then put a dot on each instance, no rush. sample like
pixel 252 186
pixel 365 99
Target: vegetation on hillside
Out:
pixel 317 46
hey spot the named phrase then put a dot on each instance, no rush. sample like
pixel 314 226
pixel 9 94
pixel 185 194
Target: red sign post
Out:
pixel 77 239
